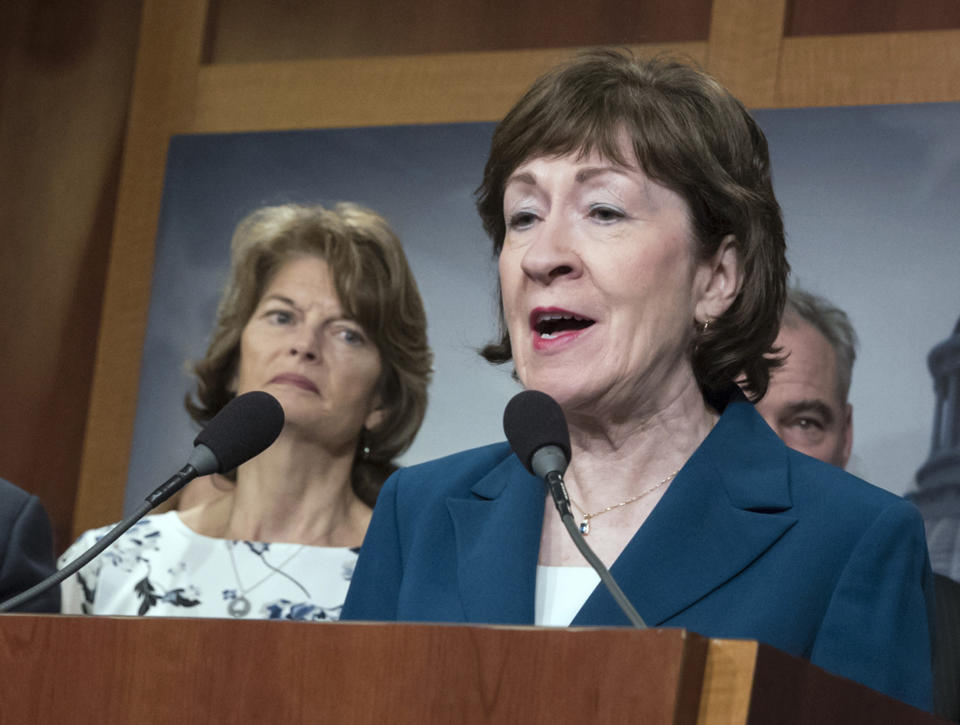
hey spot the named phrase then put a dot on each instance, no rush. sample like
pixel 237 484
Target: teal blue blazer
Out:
pixel 751 540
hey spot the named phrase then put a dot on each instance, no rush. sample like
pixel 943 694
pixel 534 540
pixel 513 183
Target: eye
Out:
pixel 605 213
pixel 521 220
pixel 279 316
pixel 808 424
pixel 350 336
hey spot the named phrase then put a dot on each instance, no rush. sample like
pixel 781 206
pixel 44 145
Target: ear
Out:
pixel 377 415
pixel 718 281
pixel 847 434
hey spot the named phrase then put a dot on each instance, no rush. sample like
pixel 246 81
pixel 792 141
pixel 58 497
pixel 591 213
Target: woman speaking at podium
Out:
pixel 321 310
pixel 643 273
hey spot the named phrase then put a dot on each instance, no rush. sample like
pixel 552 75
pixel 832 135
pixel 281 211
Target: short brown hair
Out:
pixel 376 288
pixel 688 134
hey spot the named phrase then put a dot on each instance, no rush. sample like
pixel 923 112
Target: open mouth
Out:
pixel 551 325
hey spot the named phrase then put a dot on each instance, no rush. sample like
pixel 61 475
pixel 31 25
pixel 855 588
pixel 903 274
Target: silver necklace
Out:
pixel 240 606
pixel 585 524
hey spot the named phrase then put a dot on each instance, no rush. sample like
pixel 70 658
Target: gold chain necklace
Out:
pixel 585 524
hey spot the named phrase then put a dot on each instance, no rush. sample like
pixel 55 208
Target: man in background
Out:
pixel 26 548
pixel 806 404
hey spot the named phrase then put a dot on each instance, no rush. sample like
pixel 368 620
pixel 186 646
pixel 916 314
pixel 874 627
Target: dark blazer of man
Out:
pixel 751 540
pixel 26 548
pixel 946 648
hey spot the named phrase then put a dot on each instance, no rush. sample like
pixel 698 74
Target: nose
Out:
pixel 305 344
pixel 552 253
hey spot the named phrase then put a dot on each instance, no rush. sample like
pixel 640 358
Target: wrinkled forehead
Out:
pixel 810 357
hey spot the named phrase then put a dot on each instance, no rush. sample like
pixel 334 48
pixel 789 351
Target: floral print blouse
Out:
pixel 161 567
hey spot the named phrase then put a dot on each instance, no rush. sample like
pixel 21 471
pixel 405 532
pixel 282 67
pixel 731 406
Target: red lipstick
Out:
pixel 555 327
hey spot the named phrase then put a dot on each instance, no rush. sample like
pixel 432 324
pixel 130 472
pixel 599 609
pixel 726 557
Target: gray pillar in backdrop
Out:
pixel 938 480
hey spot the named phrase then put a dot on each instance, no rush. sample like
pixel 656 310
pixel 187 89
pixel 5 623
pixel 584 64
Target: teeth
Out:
pixel 548 316
pixel 553 325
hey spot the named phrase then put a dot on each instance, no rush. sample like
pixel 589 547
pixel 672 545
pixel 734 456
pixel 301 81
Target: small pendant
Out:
pixel 239 607
pixel 585 527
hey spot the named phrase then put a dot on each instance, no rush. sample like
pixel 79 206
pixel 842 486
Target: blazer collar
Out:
pixel 729 504
pixel 725 508
pixel 497 535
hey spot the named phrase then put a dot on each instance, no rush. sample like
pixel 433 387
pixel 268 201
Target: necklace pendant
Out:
pixel 585 527
pixel 239 607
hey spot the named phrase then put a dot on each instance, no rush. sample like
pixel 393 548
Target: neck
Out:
pixel 615 457
pixel 295 492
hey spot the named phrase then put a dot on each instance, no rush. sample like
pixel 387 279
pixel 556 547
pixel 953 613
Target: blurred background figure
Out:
pixel 806 402
pixel 26 548
pixel 321 310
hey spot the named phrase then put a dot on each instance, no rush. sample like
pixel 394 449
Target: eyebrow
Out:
pixel 341 315
pixel 525 178
pixel 582 176
pixel 585 175
pixel 809 406
pixel 280 298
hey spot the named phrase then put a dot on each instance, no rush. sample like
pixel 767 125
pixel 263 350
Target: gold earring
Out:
pixel 706 324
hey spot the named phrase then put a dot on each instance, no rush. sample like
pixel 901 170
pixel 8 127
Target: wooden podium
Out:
pixel 105 670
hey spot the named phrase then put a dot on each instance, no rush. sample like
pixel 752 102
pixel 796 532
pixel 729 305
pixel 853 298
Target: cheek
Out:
pixel 362 376
pixel 243 359
pixel 509 269
pixel 660 266
pixel 505 269
pixel 836 443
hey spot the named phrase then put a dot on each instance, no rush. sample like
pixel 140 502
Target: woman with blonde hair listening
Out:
pixel 322 311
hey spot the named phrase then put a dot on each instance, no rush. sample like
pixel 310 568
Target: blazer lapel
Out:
pixel 726 507
pixel 497 535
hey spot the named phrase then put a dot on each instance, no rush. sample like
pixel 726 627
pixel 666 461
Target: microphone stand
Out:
pixel 158 496
pixel 245 427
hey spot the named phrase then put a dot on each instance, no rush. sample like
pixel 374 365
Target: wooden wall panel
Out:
pixel 64 90
pixel 243 31
pixel 870 69
pixel 171 45
pixel 744 48
pixel 376 91
pixel 844 17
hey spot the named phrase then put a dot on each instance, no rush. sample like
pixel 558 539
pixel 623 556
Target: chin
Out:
pixel 296 415
pixel 566 390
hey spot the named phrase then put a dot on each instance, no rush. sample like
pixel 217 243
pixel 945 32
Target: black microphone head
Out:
pixel 244 428
pixel 533 420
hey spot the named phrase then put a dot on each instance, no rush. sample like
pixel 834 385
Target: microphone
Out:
pixel 244 428
pixel 536 429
